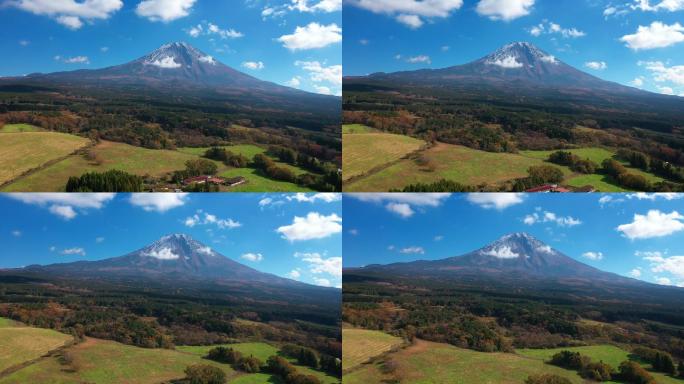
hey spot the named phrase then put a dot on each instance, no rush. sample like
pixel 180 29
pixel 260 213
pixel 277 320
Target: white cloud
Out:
pixel 660 263
pixel 162 254
pixel 254 257
pixel 412 250
pixel 667 5
pixel 99 239
pixel 209 219
pixel 663 281
pixel 265 201
pixel 104 49
pixel 508 62
pixel 253 65
pixel 353 232
pixel 209 29
pixel 323 90
pixel 653 224
pixel 313 226
pixel 207 59
pixel 167 62
pixel 158 202
pixel 438 238
pixel 657 35
pixel 655 196
pixel 504 9
pixel 314 197
pixel 638 81
pixel 320 6
pixel 16 233
pixel 498 201
pixel 596 65
pixel 320 73
pixel 596 256
pixel 636 273
pixel 503 252
pixel 63 204
pixel 74 251
pixel 419 59
pixel 312 36
pixel 24 43
pixel 294 274
pixel 69 13
pixel 322 282
pixel 410 12
pixel 319 264
pixel 295 82
pixel 65 211
pixel 73 60
pixel 662 73
pixel 164 10
pixel 550 28
pixel 402 203
pixel 550 217
pixel 411 21
pixel 402 209
pixel 666 90
pixel 206 250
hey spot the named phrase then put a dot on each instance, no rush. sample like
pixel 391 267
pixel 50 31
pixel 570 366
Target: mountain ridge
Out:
pixel 174 256
pixel 515 253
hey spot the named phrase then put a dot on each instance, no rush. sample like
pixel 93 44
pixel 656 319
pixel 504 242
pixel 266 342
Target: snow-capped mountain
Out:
pixel 173 256
pixel 516 255
pixel 514 64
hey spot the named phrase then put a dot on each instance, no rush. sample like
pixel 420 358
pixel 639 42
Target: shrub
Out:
pixel 224 355
pixel 634 373
pixel 547 379
pixel 204 374
pixel 597 371
pixel 570 360
pixel 248 364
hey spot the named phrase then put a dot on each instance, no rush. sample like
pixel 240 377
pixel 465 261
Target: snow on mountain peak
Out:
pixel 517 55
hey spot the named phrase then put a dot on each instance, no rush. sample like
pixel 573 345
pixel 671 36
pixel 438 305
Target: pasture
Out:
pixel 139 161
pixel 23 151
pixel 16 128
pixel 360 345
pixel 20 344
pixel 364 152
pixel 357 128
pixel 435 363
pixel 609 354
pixel 452 162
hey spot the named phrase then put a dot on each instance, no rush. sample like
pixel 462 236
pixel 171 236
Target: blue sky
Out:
pixel 633 42
pixel 636 235
pixel 291 235
pixel 291 42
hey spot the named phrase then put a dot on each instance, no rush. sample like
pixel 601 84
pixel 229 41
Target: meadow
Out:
pixel 365 151
pixel 54 152
pixel 20 344
pixel 23 151
pixel 108 362
pixel 360 345
pixel 435 363
pixel 14 128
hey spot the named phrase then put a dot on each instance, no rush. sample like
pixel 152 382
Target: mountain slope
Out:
pixel 518 255
pixel 173 63
pixel 176 256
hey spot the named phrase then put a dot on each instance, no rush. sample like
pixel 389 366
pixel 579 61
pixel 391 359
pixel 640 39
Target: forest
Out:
pixel 488 316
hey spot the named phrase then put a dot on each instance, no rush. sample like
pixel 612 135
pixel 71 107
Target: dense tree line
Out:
pixel 109 181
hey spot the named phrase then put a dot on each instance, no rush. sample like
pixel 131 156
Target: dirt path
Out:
pixel 28 363
pixel 79 151
pixel 382 167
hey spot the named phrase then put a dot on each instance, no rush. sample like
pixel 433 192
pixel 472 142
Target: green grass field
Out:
pixel 433 363
pixel 23 151
pixel 4 322
pixel 364 152
pixel 15 128
pixel 21 344
pixel 360 345
pixel 357 128
pixel 452 162
pixel 140 161
pixel 247 150
pixel 609 354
